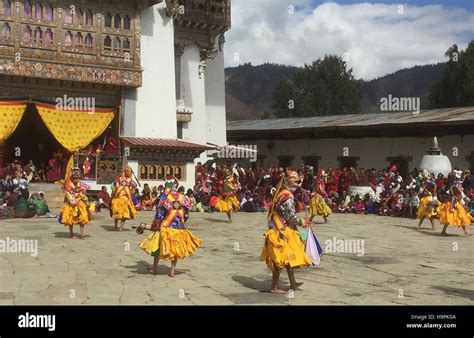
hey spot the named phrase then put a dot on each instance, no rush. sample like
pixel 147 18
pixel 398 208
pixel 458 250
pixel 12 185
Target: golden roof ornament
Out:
pixel 174 9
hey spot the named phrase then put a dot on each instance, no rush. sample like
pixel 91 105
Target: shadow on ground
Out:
pixel 263 296
pixel 465 293
pixel 216 220
pixel 66 235
pixel 112 228
pixel 141 268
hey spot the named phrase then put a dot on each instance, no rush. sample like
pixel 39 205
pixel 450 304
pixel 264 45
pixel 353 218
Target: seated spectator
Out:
pixel 30 171
pixel 20 185
pixel 146 200
pixel 6 183
pixel 103 198
pixel 342 206
pixel 23 209
pixel 136 200
pixel 370 205
pixel 384 209
pixel 248 204
pixel 39 204
pixel 53 171
pixel 359 207
pixel 154 193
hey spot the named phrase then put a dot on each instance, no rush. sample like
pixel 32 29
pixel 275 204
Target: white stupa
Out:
pixel 435 162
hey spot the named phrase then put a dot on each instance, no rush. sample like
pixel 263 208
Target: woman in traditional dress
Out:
pixel 283 246
pixel 122 208
pixel 75 209
pixel 453 212
pixel 170 240
pixel 228 201
pixel 427 209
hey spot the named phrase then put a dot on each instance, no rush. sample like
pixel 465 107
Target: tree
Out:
pixel 456 88
pixel 325 87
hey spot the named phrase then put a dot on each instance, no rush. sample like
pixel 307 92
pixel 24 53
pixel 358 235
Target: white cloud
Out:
pixel 377 39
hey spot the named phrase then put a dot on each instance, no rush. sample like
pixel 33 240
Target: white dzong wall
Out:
pixel 150 111
pixel 192 93
pixel 215 101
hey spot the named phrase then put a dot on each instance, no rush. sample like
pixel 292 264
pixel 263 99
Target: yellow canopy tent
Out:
pixel 75 129
pixel 11 113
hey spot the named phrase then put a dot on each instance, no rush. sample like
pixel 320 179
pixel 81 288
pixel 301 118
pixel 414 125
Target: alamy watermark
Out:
pixel 28 321
pixel 86 104
pixel 19 246
pixel 400 104
pixel 351 246
pixel 238 152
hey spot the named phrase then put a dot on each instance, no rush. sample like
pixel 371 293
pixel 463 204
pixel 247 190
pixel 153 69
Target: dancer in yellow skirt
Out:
pixel 452 212
pixel 122 207
pixel 427 209
pixel 283 246
pixel 75 209
pixel 228 202
pixel 318 206
pixel 170 240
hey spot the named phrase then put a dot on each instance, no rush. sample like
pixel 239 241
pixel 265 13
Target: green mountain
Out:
pixel 249 89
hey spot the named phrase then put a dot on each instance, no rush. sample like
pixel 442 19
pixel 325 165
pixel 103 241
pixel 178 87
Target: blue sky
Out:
pixel 374 37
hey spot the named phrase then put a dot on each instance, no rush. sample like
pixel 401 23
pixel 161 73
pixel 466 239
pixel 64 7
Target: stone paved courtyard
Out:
pixel 400 265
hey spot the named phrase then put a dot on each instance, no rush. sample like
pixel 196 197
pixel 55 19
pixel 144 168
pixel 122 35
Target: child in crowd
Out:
pixel 359 206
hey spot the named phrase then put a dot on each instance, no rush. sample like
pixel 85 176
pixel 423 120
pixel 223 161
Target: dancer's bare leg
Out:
pixel 71 231
pixel 444 233
pixel 173 267
pixel 154 268
pixel 275 277
pixel 433 227
pixel 466 232
pixel 122 224
pixel 82 230
pixel 291 276
pixel 229 216
pixel 116 224
pixel 419 224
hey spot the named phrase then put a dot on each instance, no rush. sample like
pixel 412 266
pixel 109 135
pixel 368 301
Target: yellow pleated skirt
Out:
pixel 457 217
pixel 151 244
pixel 171 243
pixel 425 210
pixel 318 207
pixel 228 203
pixel 123 208
pixel 281 252
pixel 77 214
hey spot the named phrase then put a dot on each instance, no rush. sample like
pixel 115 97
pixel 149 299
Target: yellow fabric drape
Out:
pixel 11 114
pixel 75 130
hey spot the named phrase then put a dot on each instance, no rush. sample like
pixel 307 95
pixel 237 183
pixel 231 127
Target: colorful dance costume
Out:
pixel 122 207
pixel 229 200
pixel 75 209
pixel 427 208
pixel 283 245
pixel 170 238
pixel 453 212
pixel 318 206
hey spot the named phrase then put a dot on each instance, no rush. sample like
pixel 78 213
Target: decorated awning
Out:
pixel 163 149
pixel 11 113
pixel 75 129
